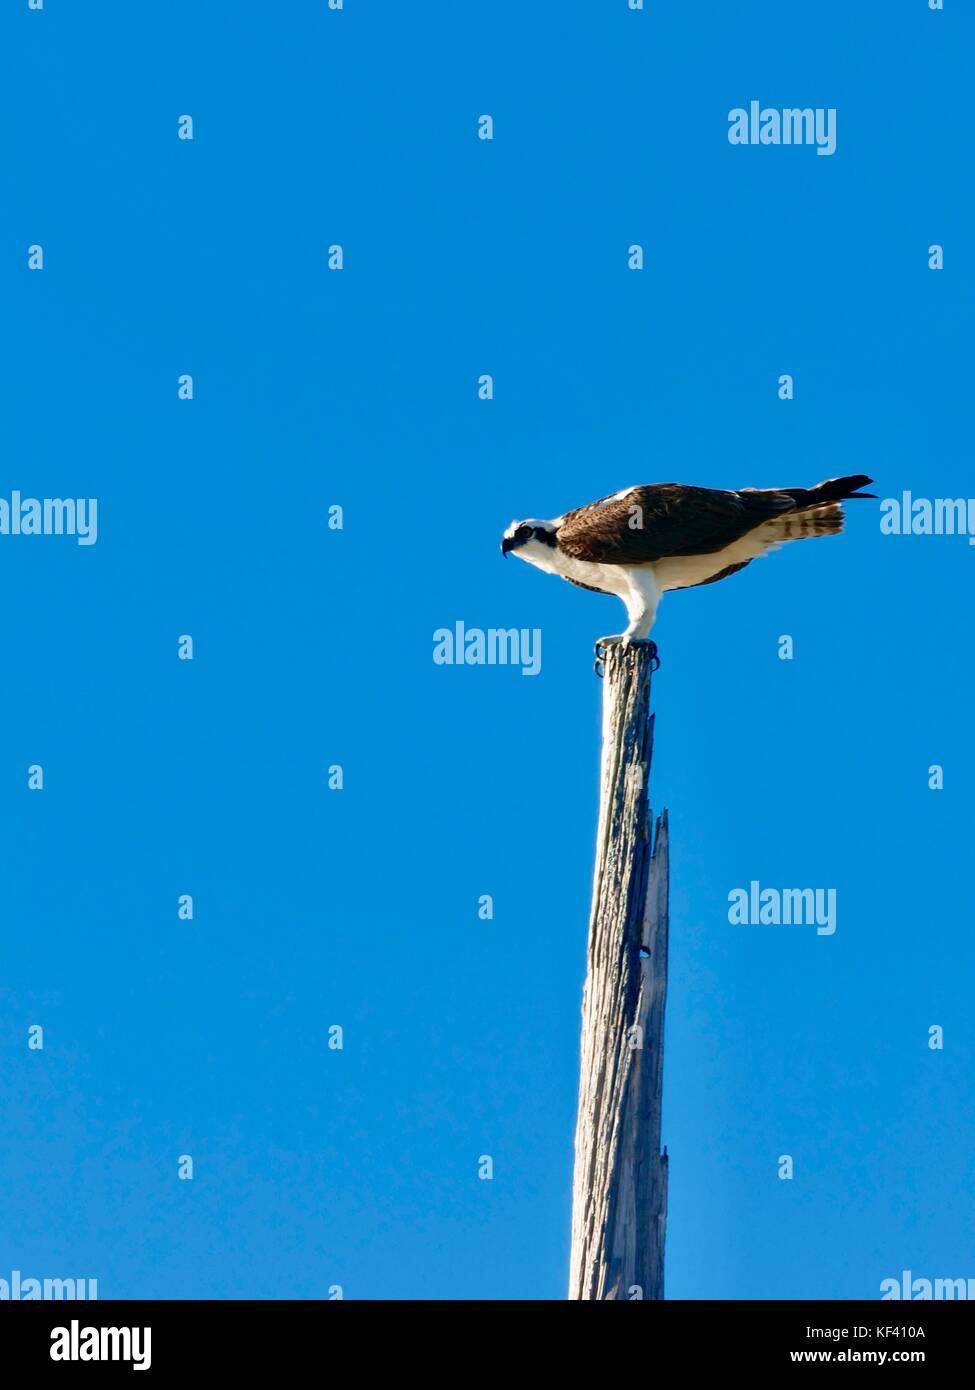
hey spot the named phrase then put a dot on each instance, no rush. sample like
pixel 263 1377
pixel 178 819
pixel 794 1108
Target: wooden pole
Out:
pixel 619 1200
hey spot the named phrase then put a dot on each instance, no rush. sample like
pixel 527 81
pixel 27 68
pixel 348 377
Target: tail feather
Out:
pixel 832 490
pixel 821 519
pixel 800 512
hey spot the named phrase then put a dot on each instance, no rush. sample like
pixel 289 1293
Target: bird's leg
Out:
pixel 641 601
pixel 641 608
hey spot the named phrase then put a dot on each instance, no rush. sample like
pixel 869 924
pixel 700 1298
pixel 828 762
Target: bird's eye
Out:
pixel 523 533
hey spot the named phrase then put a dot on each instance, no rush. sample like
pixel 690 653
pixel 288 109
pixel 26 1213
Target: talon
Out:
pixel 616 639
pixel 626 644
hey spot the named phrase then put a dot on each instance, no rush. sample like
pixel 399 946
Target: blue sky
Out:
pixel 313 388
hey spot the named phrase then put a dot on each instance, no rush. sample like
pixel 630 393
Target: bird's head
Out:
pixel 531 536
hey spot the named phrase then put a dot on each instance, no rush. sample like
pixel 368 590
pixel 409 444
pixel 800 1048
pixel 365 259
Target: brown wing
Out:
pixel 648 523
pixel 579 585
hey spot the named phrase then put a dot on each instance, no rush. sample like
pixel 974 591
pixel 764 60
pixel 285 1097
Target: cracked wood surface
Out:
pixel 619 1201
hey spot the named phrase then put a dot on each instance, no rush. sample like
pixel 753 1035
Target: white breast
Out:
pixel 610 578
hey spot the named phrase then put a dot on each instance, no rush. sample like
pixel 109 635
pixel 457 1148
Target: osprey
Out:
pixel 643 541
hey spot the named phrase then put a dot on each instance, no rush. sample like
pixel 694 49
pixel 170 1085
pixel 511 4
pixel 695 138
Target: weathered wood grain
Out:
pixel 619 1205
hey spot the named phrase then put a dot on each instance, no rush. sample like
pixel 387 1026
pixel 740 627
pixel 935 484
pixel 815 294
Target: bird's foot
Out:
pixel 624 640
pixel 599 650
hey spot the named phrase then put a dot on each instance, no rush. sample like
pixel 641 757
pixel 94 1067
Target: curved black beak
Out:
pixel 506 545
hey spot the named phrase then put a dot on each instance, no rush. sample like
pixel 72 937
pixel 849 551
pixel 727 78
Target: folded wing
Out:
pixel 663 519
